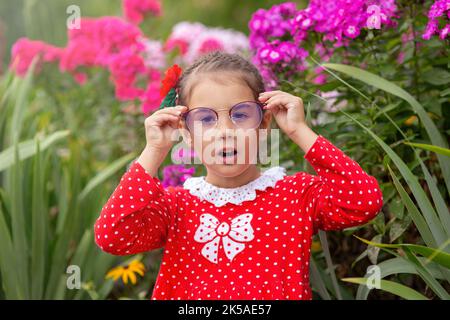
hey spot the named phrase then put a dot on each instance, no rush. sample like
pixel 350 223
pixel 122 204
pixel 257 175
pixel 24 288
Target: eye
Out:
pixel 207 119
pixel 240 115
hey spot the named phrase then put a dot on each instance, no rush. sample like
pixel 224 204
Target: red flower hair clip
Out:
pixel 168 86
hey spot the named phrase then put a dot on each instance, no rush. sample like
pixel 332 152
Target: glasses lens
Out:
pixel 204 117
pixel 246 115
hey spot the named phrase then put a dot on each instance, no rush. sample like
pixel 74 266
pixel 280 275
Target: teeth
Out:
pixel 228 153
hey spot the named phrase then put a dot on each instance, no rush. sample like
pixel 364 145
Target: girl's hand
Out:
pixel 286 108
pixel 160 126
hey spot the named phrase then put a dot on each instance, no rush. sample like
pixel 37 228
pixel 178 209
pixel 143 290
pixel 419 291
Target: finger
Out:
pixel 284 101
pixel 274 102
pixel 171 110
pixel 166 118
pixel 268 94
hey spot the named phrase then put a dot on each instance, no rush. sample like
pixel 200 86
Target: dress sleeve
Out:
pixel 342 194
pixel 137 216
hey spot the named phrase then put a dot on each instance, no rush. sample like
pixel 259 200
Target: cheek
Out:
pixel 248 144
pixel 201 146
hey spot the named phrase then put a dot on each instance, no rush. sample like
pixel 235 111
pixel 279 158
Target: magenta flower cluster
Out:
pixel 136 10
pixel 280 35
pixel 194 39
pixel 134 62
pixel 176 174
pixel 110 43
pixel 439 10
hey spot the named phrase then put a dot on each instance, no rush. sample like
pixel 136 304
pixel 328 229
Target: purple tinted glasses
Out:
pixel 244 115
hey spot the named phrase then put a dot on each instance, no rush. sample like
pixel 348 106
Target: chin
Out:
pixel 228 170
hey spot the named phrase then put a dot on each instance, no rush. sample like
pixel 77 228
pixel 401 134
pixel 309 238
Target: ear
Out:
pixel 266 121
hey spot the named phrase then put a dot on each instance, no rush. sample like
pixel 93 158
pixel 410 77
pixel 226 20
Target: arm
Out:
pixel 137 216
pixel 342 194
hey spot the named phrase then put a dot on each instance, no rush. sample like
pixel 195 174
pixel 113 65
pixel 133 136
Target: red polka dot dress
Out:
pixel 250 242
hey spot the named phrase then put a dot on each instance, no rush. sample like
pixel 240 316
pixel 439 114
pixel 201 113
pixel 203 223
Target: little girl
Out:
pixel 236 233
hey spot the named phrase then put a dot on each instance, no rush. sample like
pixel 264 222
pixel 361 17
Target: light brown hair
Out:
pixel 220 61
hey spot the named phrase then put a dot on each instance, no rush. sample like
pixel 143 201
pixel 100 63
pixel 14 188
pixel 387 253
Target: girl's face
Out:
pixel 225 149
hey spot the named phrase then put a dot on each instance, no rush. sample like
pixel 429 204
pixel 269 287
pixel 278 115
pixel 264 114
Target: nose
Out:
pixel 224 124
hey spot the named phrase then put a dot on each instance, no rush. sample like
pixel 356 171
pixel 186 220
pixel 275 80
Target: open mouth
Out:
pixel 227 155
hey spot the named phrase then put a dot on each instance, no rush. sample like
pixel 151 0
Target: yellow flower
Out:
pixel 127 272
pixel 411 120
pixel 315 246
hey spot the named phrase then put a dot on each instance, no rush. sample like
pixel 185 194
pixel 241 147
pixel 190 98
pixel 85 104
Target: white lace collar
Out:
pixel 197 186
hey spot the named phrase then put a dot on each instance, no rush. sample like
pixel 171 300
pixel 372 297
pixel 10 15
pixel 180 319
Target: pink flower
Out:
pixel 176 175
pixel 98 41
pixel 444 32
pixel 401 57
pixel 176 43
pixel 321 77
pixel 153 54
pixel 80 78
pixel 135 10
pixel 151 98
pixel 351 31
pixel 209 45
pixel 183 154
pixel 274 56
pixel 126 66
pixel 440 9
pixel 25 50
pixel 332 97
pixel 195 39
pixel 279 35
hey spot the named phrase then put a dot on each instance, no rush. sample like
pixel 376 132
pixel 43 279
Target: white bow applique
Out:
pixel 233 236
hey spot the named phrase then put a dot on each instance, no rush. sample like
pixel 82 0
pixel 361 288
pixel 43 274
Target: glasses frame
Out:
pixel 260 104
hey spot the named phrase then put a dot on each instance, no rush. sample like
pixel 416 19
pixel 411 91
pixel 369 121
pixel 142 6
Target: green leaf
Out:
pixel 18 226
pixel 7 262
pixel 426 275
pixel 28 148
pixel 394 266
pixel 436 76
pixel 326 250
pixel 392 287
pixel 38 228
pixel 430 147
pixel 398 228
pixel 317 282
pixel 435 255
pixel 373 251
pixel 105 174
pixel 21 97
pixel 416 216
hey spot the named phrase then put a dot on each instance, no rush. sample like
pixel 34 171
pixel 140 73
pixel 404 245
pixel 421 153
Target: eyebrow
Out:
pixel 230 105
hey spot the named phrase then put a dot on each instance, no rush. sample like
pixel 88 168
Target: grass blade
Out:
pixel 7 262
pixel 432 254
pixel 18 227
pixel 105 174
pixel 416 216
pixel 28 148
pixel 430 147
pixel 392 287
pixel 38 228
